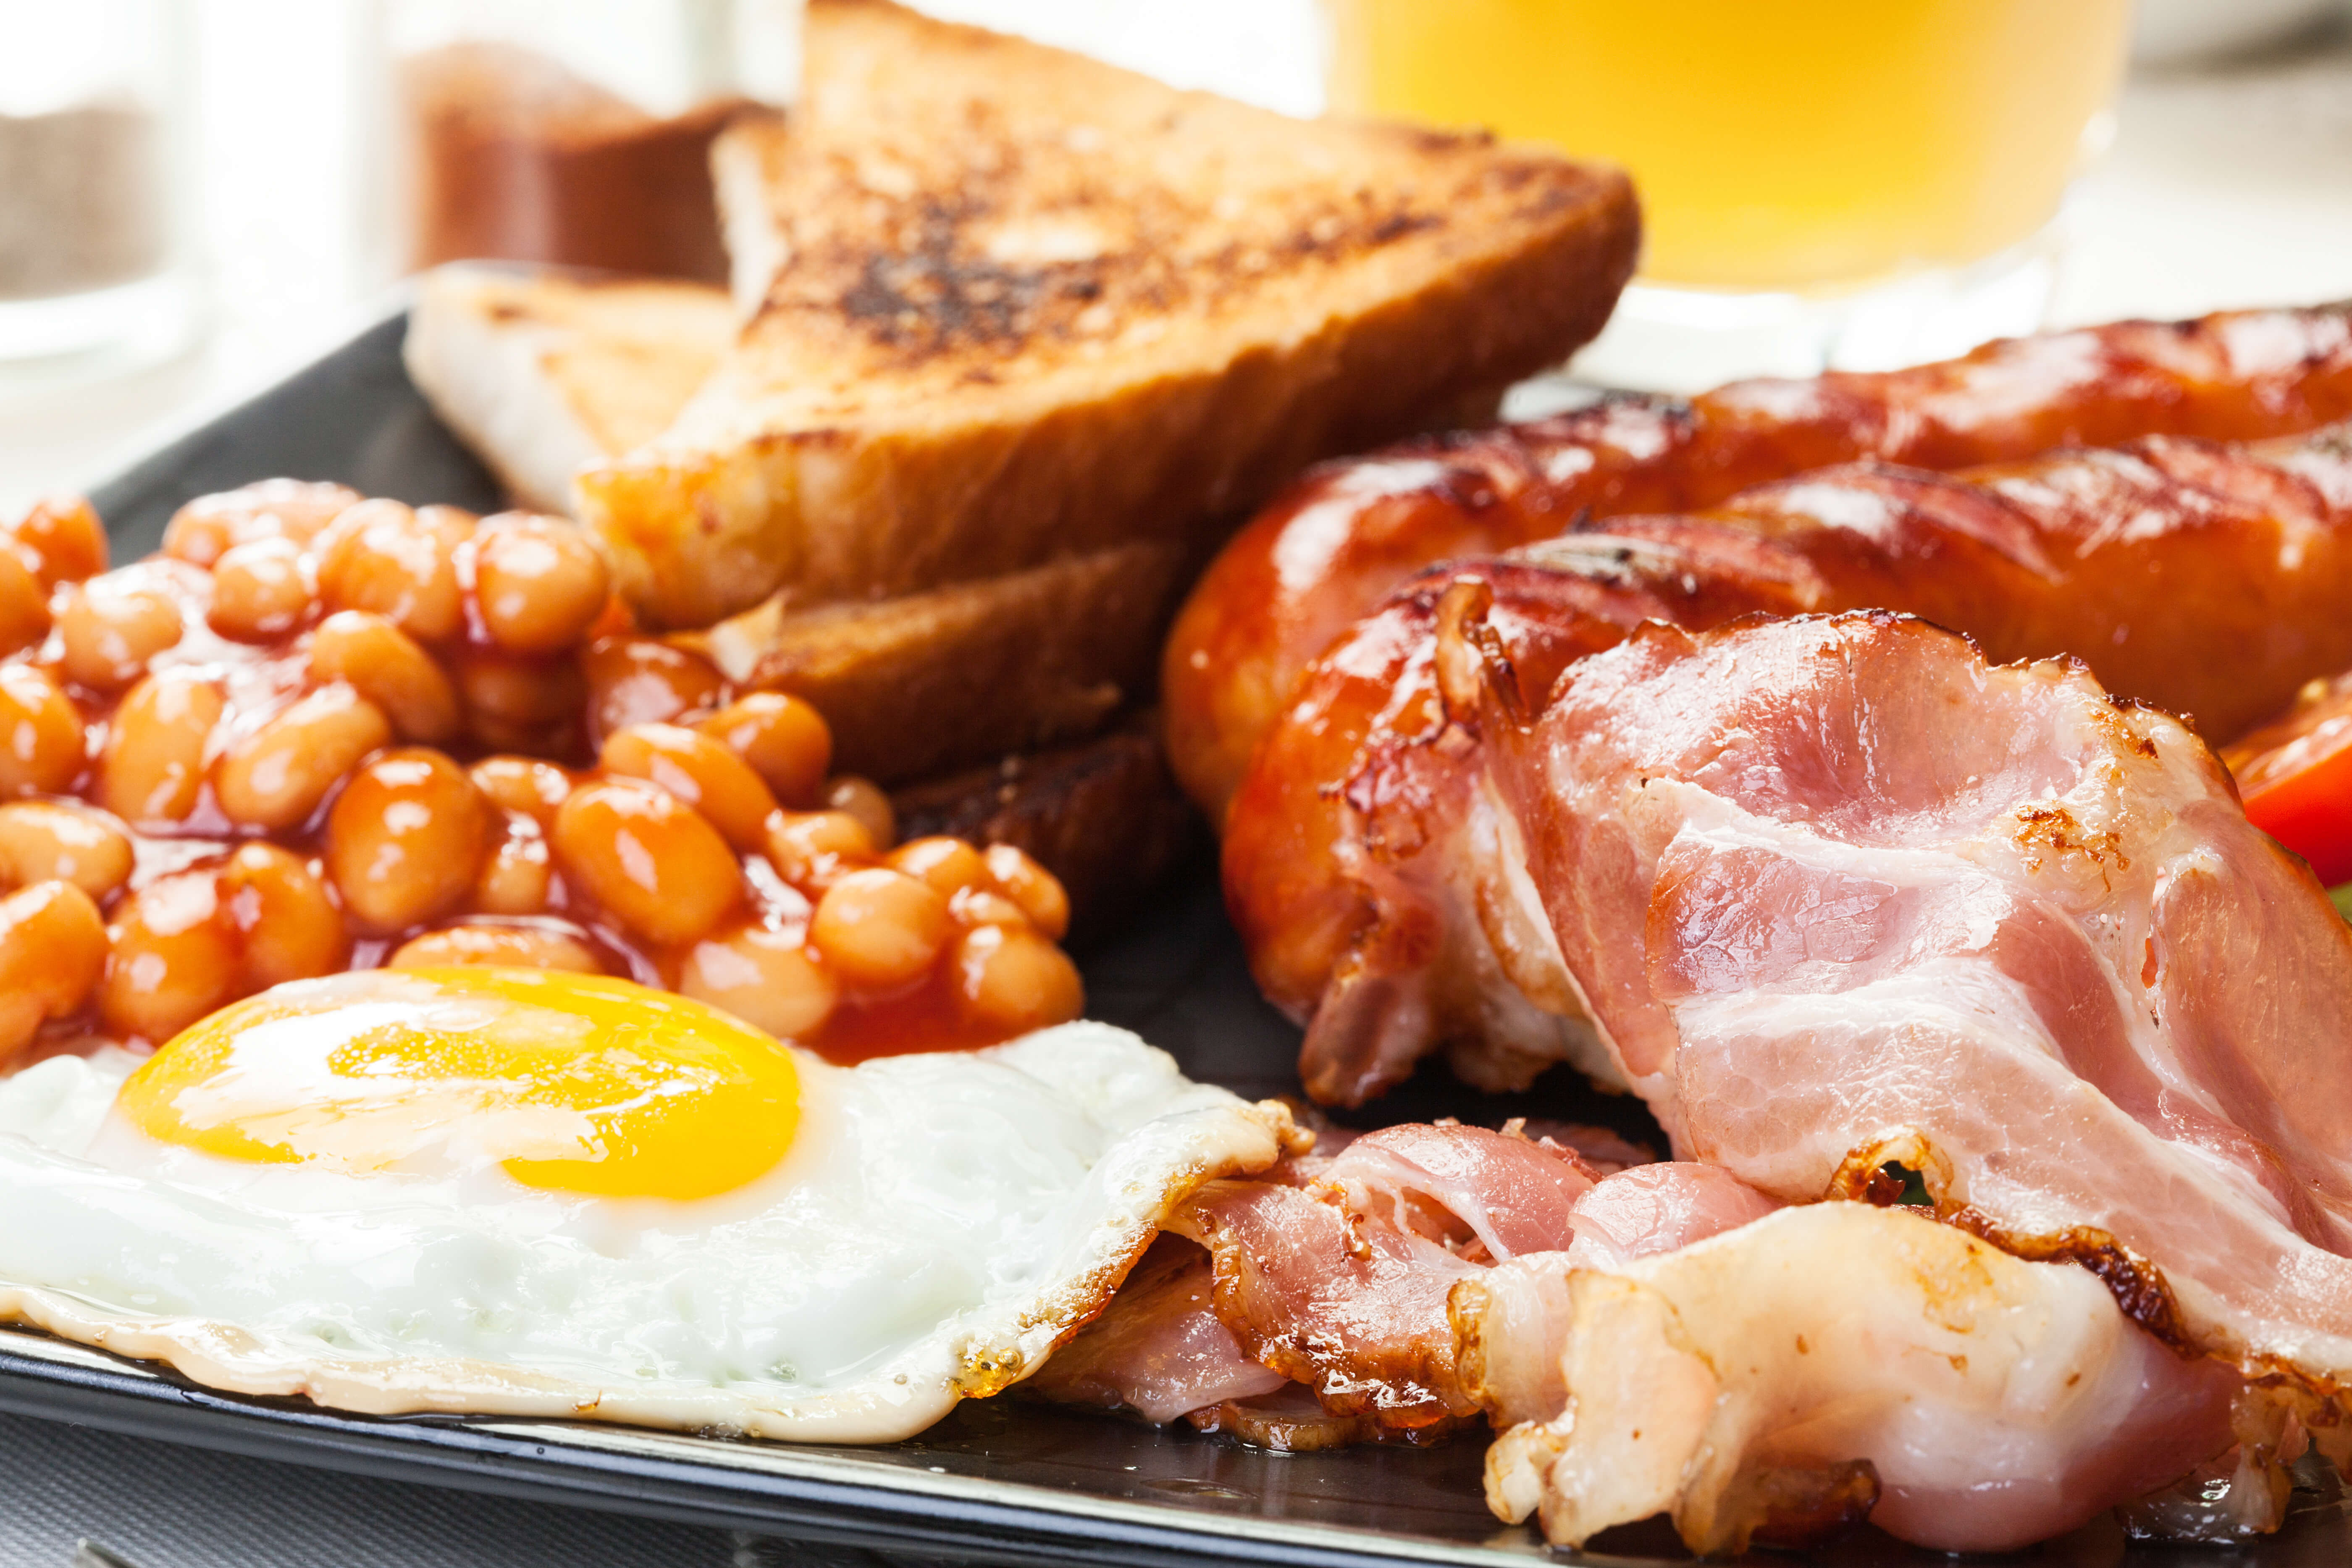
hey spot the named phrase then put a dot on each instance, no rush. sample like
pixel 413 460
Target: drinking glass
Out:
pixel 97 241
pixel 1824 183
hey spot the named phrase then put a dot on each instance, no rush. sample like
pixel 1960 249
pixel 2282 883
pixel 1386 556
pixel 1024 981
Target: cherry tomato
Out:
pixel 2296 777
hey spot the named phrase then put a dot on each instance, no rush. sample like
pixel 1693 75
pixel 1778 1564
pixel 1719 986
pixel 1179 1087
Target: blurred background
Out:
pixel 2217 170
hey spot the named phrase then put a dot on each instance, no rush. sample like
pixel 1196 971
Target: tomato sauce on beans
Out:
pixel 319 732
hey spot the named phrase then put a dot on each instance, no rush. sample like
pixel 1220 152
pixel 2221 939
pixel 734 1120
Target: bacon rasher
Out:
pixel 1331 1273
pixel 1837 895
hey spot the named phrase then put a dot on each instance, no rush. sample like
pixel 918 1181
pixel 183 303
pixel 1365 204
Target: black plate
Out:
pixel 999 1481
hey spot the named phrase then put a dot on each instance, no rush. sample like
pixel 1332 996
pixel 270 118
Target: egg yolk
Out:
pixel 572 1083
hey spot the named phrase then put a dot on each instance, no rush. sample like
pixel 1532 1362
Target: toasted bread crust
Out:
pixel 915 685
pixel 1027 303
pixel 540 372
pixel 1106 817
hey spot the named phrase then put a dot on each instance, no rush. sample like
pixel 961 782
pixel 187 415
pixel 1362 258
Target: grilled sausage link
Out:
pixel 1341 539
pixel 1366 874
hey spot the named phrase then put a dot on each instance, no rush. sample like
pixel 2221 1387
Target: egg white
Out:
pixel 939 1222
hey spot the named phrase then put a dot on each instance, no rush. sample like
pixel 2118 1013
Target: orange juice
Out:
pixel 1777 143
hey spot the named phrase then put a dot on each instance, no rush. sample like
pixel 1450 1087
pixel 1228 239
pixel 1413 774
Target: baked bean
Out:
pixel 767 978
pixel 1037 891
pixel 292 928
pixel 786 742
pixel 538 582
pixel 513 947
pixel 811 849
pixel 203 531
pixel 687 786
pixel 948 865
pixel 880 928
pixel 653 862
pixel 514 879
pixel 864 800
pixel 276 777
pixel 261 591
pixel 171 960
pixel 23 606
pixel 41 744
pixel 405 839
pixel 454 520
pixel 66 538
pixel 198 538
pixel 522 784
pixel 700 772
pixel 52 952
pixel 110 631
pixel 1010 982
pixel 385 665
pixel 154 764
pixel 985 906
pixel 49 841
pixel 382 557
pixel 517 691
pixel 639 680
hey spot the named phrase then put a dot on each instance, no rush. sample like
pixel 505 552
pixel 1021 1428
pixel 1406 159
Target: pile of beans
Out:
pixel 320 732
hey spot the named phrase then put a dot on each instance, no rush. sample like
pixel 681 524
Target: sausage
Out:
pixel 1360 864
pixel 1326 552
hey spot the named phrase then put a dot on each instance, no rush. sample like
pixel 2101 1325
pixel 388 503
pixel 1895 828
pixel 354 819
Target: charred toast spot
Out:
pixel 942 293
pixel 1040 242
pixel 1397 226
pixel 935 300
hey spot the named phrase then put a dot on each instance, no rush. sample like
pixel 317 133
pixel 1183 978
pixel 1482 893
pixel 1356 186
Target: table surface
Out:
pixel 2229 184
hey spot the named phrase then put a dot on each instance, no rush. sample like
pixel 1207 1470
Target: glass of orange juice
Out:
pixel 1823 182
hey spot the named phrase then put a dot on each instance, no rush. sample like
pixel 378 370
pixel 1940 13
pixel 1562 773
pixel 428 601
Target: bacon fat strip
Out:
pixel 1329 551
pixel 1840 893
pixel 1362 864
pixel 1330 1272
pixel 1831 1363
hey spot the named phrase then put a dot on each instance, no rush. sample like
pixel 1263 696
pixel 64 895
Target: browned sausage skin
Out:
pixel 1365 872
pixel 1331 549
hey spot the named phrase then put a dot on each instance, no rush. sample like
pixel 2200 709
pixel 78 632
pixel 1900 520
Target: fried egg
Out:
pixel 505 1191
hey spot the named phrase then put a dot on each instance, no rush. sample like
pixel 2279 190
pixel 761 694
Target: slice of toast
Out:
pixel 542 372
pixel 1010 302
pixel 530 367
pixel 924 682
